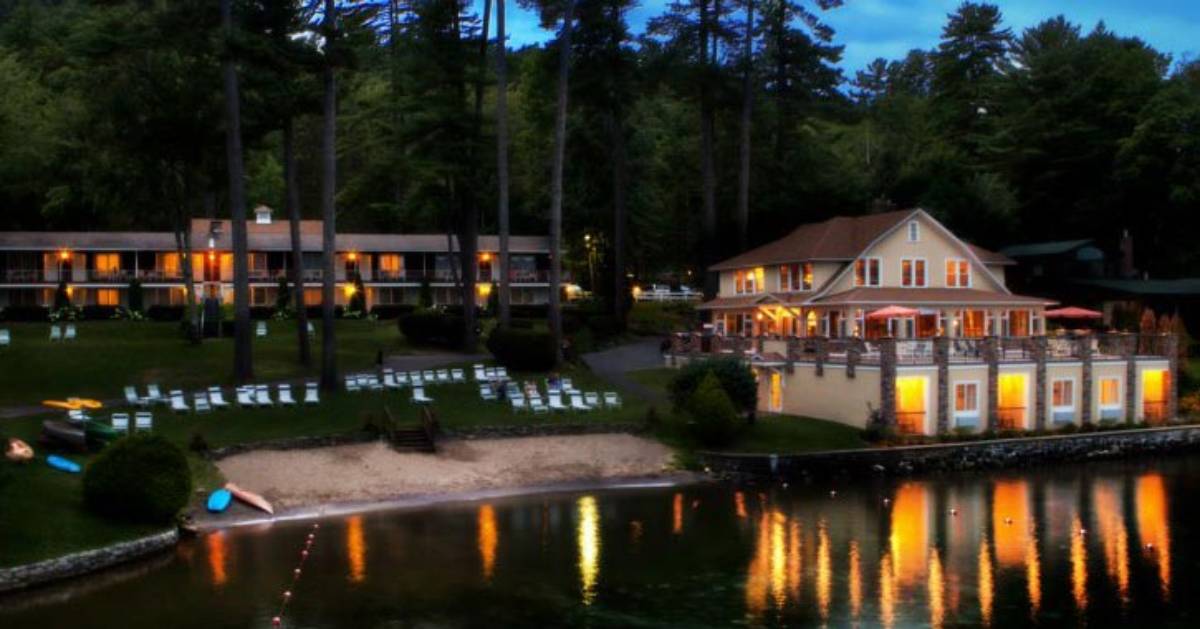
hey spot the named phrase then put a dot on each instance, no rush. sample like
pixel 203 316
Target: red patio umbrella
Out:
pixel 893 312
pixel 1072 312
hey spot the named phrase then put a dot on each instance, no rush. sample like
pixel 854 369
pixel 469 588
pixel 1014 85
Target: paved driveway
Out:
pixel 615 364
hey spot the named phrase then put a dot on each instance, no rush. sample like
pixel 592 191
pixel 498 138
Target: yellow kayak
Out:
pixel 74 404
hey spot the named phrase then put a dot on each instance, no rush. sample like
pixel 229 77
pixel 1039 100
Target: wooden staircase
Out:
pixel 412 440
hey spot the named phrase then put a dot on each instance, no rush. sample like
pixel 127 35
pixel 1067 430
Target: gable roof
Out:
pixel 841 238
pixel 1044 248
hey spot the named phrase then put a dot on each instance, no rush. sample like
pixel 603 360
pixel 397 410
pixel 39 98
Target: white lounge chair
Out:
pixel 556 403
pixel 143 421
pixel 401 379
pixel 200 402
pixel 592 399
pixel 419 397
pixel 457 375
pixel 537 405
pixel 120 422
pixel 261 329
pixel 311 394
pixel 577 403
pixel 178 404
pixel 69 334
pixel 372 383
pixel 352 384
pixel 245 397
pixel 518 404
pixel 568 387
pixel 55 333
pixel 154 395
pixel 389 379
pixel 78 416
pixel 311 330
pixel 131 397
pixel 611 399
pixel 486 392
pixel 5 338
pixel 217 398
pixel 262 395
pixel 480 374
pixel 414 378
pixel 285 395
pixel 443 375
pixel 501 372
pixel 429 377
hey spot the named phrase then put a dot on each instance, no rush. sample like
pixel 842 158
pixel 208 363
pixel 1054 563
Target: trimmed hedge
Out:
pixel 735 377
pixel 165 313
pixel 25 313
pixel 261 313
pixel 142 478
pixel 522 350
pixel 98 313
pixel 392 311
pixel 714 419
pixel 432 328
pixel 529 311
pixel 314 312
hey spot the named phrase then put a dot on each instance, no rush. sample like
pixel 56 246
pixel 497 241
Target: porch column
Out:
pixel 1039 387
pixel 1129 353
pixel 1083 347
pixel 991 355
pixel 793 352
pixel 853 355
pixel 822 349
pixel 941 358
pixel 1171 345
pixel 887 381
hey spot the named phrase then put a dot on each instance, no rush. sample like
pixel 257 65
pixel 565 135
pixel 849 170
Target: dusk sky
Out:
pixel 889 28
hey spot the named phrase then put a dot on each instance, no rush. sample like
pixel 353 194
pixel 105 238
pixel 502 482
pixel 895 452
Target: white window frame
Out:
pixel 924 276
pixel 914 231
pixel 867 272
pixel 975 413
pixel 1070 406
pixel 957 280
pixel 1100 393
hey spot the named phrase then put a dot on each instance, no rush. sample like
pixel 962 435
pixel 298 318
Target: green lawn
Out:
pixel 658 378
pixel 111 354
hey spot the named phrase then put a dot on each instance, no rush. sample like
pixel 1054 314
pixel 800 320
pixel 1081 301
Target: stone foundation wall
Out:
pixel 981 455
pixel 539 430
pixel 50 570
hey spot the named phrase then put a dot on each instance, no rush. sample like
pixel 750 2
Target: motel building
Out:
pixel 892 313
pixel 98 267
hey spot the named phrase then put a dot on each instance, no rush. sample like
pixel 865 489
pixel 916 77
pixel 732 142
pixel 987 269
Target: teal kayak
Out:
pixel 219 500
pixel 65 465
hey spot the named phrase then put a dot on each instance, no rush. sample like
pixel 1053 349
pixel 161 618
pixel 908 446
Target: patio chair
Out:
pixel 577 403
pixel 419 397
pixel 518 404
pixel 120 422
pixel 245 397
pixel 260 329
pixel 352 384
pixel 143 421
pixel 200 402
pixel 5 338
pixel 285 395
pixel 415 379
pixel 556 403
pixel 511 390
pixel 489 373
pixel 443 375
pixel 69 334
pixel 370 382
pixel 429 377
pixel 55 333
pixel 178 404
pixel 311 394
pixel 487 393
pixel 592 399
pixel 262 395
pixel 501 372
pixel 611 399
pixel 131 397
pixel 480 374
pixel 537 405
pixel 457 375
pixel 154 395
pixel 389 379
pixel 567 387
pixel 311 330
pixel 401 379
pixel 217 398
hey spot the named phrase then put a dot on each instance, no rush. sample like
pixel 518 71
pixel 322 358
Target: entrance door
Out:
pixel 910 404
pixel 1012 400
pixel 776 392
pixel 1155 386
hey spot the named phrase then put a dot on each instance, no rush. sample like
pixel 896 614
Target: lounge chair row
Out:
pixel 143 421
pixel 213 398
pixel 399 379
pixel 555 400
pixel 66 333
pixel 260 330
pixel 486 374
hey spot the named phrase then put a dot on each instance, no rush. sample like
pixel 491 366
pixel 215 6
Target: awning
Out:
pixel 1072 312
pixel 893 312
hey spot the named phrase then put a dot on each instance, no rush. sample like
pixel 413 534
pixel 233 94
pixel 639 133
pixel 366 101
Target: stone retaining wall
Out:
pixel 978 455
pixel 539 430
pixel 50 570
pixel 293 443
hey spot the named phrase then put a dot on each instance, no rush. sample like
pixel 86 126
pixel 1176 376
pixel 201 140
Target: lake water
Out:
pixel 1102 544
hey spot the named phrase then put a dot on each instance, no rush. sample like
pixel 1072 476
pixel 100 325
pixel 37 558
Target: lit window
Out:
pixel 866 272
pixel 966 398
pixel 807 276
pixel 749 280
pixel 1110 392
pixel 958 273
pixel 108 297
pixel 914 231
pixel 912 272
pixel 1063 394
pixel 107 262
pixel 796 277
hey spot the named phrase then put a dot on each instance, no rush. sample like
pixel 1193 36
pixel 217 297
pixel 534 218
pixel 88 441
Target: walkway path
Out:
pixel 615 364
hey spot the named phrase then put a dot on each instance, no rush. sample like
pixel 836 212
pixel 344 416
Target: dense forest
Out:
pixel 720 127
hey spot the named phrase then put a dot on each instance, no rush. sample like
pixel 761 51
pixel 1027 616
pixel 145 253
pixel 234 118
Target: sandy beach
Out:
pixel 366 472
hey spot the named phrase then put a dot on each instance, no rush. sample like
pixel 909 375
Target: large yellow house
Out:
pixel 893 313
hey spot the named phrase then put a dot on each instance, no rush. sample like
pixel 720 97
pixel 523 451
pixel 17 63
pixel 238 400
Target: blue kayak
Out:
pixel 219 500
pixel 65 465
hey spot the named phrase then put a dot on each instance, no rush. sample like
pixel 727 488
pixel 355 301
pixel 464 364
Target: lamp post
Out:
pixel 590 245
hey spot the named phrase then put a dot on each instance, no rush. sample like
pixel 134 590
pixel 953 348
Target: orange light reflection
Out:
pixel 485 526
pixel 356 549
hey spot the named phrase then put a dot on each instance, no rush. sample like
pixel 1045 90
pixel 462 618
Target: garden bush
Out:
pixel 314 312
pixel 735 377
pixel 262 313
pixel 98 313
pixel 529 311
pixel 392 311
pixel 522 350
pixel 714 419
pixel 165 313
pixel 143 478
pixel 432 328
pixel 19 313
pixel 658 318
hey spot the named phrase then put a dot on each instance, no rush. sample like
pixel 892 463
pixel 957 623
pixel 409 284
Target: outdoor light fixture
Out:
pixel 352 256
pixel 64 255
pixel 485 257
pixel 350 290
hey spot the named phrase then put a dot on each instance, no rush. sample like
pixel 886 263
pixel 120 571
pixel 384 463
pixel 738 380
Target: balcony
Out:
pixel 25 276
pixel 111 276
pixel 158 275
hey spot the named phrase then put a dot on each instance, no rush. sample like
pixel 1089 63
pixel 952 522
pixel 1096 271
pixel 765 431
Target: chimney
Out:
pixel 262 215
pixel 1126 269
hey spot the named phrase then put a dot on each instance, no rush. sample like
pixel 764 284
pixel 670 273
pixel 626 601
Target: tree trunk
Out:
pixel 505 297
pixel 556 181
pixel 329 374
pixel 292 199
pixel 468 239
pixel 243 358
pixel 619 177
pixel 708 191
pixel 743 195
pixel 183 244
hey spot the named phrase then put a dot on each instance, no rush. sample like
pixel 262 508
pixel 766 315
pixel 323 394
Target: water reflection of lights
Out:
pixel 677 514
pixel 1078 565
pixel 1033 577
pixel 214 543
pixel 1153 527
pixel 356 549
pixel 909 540
pixel 739 501
pixel 1010 521
pixel 1114 538
pixel 795 561
pixel 589 547
pixel 937 591
pixel 986 583
pixel 854 577
pixel 774 574
pixel 824 572
pixel 778 559
pixel 887 592
pixel 485 525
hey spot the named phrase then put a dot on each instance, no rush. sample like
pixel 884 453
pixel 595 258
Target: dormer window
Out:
pixel 914 231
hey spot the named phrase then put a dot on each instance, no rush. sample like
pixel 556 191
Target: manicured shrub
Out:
pixel 392 311
pixel 262 313
pixel 136 296
pixel 25 313
pixel 61 298
pixel 314 312
pixel 735 377
pixel 143 478
pixel 714 419
pixel 522 350
pixel 283 294
pixel 165 313
pixel 432 328
pixel 98 313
